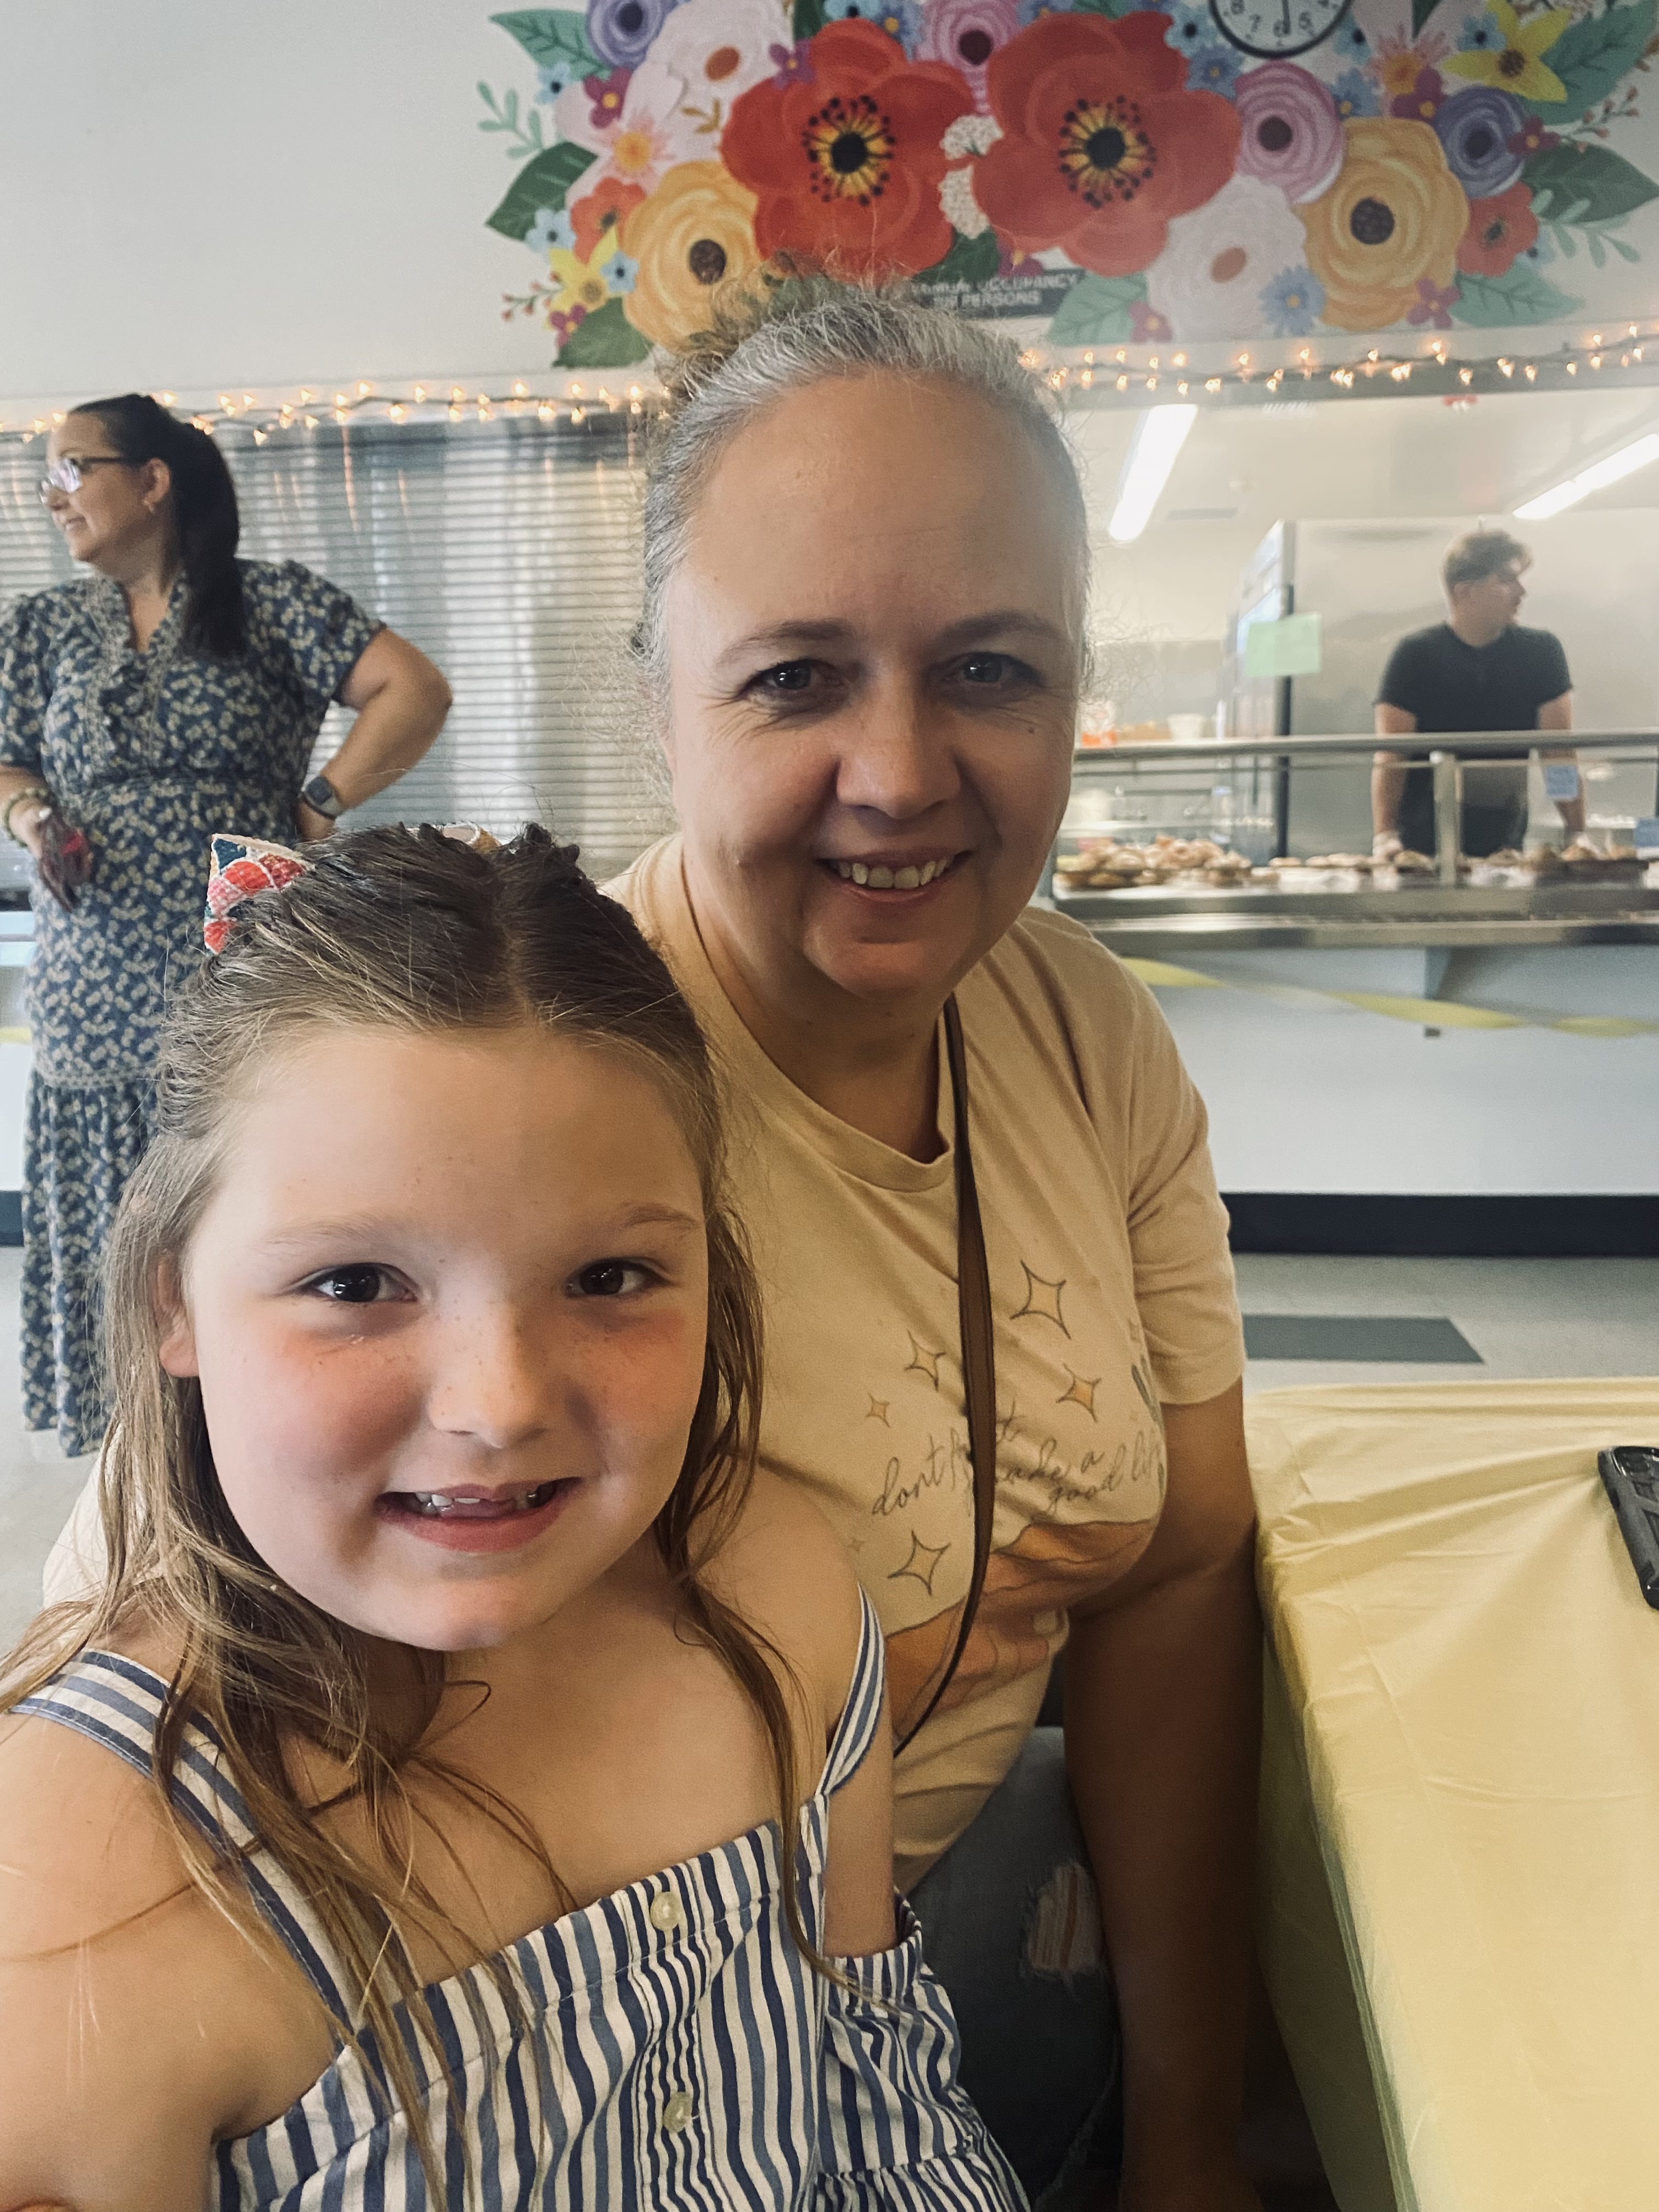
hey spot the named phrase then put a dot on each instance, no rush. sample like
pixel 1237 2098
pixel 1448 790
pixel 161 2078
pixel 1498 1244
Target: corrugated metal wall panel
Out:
pixel 506 551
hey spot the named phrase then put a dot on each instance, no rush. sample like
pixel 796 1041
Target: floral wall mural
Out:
pixel 1121 173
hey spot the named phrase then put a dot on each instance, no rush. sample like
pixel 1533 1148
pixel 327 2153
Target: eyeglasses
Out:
pixel 67 476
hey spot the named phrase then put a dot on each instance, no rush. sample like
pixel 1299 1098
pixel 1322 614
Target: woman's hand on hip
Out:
pixel 312 826
pixel 62 855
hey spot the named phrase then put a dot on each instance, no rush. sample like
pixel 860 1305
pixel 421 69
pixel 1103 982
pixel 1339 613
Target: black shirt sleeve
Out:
pixel 1402 684
pixel 1553 678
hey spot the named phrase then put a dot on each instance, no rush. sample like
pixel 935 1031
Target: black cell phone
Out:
pixel 1631 1472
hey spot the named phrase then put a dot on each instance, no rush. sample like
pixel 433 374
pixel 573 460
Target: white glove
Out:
pixel 1385 845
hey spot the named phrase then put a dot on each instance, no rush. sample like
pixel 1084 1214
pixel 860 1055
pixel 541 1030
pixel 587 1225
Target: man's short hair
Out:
pixel 1471 559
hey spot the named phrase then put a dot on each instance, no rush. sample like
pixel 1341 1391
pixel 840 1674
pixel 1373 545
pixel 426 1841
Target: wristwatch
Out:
pixel 320 796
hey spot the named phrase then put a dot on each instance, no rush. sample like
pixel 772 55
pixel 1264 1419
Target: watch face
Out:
pixel 1271 29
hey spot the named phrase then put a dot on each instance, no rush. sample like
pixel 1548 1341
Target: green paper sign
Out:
pixel 1289 647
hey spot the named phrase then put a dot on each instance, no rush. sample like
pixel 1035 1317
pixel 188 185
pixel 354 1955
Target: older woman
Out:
pixel 865 584
pixel 174 691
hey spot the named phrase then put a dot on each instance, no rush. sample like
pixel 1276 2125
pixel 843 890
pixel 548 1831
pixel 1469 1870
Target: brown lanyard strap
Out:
pixel 979 1372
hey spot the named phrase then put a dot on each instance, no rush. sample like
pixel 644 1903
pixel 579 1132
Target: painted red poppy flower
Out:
pixel 848 167
pixel 1499 228
pixel 1101 142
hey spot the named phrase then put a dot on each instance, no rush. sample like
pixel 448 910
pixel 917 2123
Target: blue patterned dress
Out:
pixel 148 753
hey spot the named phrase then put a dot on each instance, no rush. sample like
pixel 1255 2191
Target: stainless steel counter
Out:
pixel 1156 922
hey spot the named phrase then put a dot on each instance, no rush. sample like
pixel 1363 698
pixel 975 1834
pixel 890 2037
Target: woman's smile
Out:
pixel 891 874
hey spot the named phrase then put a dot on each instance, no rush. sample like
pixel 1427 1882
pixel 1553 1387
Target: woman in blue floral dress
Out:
pixel 174 691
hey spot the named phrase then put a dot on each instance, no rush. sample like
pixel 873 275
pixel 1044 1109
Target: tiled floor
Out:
pixel 1524 1317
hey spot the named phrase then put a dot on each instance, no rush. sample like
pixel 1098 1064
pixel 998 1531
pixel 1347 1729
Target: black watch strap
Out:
pixel 320 796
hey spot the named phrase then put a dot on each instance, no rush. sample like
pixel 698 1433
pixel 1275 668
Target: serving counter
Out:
pixel 1481 1029
pixel 1169 847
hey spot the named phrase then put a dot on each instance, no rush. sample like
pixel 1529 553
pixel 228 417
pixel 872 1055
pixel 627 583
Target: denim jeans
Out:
pixel 1012 1925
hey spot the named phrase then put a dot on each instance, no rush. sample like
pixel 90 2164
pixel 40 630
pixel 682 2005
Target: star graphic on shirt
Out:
pixel 1082 1392
pixel 921 1566
pixel 923 1362
pixel 879 1411
pixel 1043 1300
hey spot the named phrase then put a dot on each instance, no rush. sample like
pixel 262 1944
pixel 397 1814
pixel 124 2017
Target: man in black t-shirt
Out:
pixel 1478 671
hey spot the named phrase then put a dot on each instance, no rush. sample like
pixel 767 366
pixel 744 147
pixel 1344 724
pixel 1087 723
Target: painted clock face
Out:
pixel 1270 29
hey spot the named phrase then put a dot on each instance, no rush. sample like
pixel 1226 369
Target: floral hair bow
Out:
pixel 242 867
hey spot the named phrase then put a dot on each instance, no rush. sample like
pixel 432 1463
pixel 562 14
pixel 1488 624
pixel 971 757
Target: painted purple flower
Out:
pixel 1146 325
pixel 620 32
pixel 1434 304
pixel 1289 132
pixel 1479 131
pixel 604 94
pixel 1423 102
pixel 966 34
pixel 793 64
pixel 563 320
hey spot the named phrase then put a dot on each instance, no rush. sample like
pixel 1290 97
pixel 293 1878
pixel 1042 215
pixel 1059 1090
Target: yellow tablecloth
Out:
pixel 1470 1695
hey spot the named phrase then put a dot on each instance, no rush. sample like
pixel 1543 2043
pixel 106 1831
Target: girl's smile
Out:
pixel 476 1520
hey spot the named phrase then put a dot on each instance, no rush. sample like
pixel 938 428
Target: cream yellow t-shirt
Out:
pixel 1111 1287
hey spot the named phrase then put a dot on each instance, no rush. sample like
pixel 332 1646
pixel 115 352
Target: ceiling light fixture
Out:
pixel 1624 463
pixel 1160 434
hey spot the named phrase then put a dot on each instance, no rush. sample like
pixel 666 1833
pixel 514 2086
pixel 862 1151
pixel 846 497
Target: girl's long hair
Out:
pixel 416 933
pixel 204 513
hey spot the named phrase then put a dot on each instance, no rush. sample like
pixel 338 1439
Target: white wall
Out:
pixel 200 197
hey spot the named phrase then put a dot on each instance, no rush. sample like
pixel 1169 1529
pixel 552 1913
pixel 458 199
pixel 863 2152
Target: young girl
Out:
pixel 403 1823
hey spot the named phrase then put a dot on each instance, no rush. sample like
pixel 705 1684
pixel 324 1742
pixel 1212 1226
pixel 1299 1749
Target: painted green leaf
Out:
pixel 807 19
pixel 970 261
pixel 1519 295
pixel 1097 311
pixel 1592 181
pixel 1421 11
pixel 1115 8
pixel 541 182
pixel 1591 57
pixel 604 339
pixel 551 34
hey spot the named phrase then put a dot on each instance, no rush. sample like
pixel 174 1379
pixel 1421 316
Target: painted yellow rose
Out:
pixel 693 232
pixel 1386 233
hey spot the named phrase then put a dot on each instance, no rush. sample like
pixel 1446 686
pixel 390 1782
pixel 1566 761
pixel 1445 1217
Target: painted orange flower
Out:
pixel 1499 228
pixel 604 209
pixel 848 167
pixel 1101 142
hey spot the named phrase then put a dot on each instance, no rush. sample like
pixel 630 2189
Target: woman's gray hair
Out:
pixel 779 336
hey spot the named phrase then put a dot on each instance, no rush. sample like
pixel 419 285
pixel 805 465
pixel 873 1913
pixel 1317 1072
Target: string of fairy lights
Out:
pixel 365 400
pixel 1434 369
pixel 1098 375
